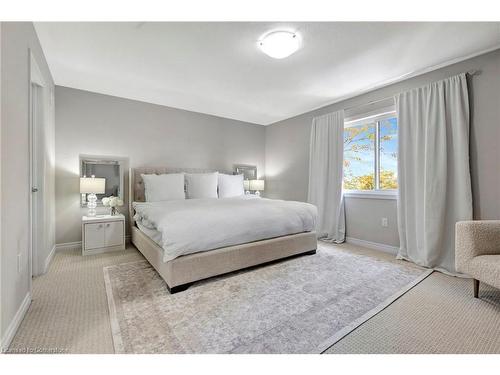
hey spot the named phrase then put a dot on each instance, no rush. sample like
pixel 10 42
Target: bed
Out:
pixel 182 262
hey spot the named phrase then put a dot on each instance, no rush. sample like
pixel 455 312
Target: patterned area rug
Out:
pixel 301 305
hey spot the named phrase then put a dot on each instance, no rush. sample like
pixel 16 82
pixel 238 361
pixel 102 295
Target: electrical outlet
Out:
pixel 19 263
pixel 385 222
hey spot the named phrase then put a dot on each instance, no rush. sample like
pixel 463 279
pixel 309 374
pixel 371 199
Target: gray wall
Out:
pixel 1 228
pixel 287 151
pixel 17 38
pixel 146 134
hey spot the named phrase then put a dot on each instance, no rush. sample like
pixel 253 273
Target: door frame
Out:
pixel 35 79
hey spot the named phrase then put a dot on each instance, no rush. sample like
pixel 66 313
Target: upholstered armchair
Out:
pixel 477 251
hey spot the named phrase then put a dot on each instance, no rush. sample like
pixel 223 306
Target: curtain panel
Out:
pixel 325 175
pixel 433 171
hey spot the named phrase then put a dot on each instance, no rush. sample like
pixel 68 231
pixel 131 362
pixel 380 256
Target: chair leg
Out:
pixel 476 288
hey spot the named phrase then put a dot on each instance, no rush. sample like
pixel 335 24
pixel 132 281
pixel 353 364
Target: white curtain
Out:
pixel 433 171
pixel 325 175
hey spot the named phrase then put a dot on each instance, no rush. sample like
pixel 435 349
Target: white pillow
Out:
pixel 163 187
pixel 230 185
pixel 201 185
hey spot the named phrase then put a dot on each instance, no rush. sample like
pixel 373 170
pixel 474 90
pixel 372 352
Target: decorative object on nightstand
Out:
pixel 103 233
pixel 92 186
pixel 257 186
pixel 113 203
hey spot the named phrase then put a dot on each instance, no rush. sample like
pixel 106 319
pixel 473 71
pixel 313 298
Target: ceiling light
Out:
pixel 280 44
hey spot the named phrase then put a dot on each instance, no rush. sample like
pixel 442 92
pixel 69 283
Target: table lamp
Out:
pixel 257 186
pixel 92 186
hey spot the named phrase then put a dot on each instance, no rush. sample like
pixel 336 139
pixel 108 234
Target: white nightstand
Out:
pixel 103 233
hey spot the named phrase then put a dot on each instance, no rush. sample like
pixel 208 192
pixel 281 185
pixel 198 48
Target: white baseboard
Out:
pixel 49 259
pixel 15 323
pixel 77 245
pixel 373 245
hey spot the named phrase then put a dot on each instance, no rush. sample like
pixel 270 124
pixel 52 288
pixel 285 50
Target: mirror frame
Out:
pixel 244 168
pixel 102 160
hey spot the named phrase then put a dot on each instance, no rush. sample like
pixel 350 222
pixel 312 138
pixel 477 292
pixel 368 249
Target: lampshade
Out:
pixel 256 185
pixel 92 185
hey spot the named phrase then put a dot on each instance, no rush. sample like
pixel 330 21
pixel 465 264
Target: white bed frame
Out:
pixel 181 272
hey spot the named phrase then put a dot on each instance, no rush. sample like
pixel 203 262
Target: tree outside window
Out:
pixel 371 154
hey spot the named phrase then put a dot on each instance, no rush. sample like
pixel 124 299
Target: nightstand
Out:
pixel 102 233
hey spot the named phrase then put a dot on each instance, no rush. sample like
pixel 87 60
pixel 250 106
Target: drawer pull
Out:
pixel 107 224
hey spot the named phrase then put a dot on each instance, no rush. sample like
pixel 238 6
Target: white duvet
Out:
pixel 194 225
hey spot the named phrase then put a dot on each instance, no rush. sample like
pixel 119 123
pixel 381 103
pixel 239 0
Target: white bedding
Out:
pixel 195 225
pixel 154 234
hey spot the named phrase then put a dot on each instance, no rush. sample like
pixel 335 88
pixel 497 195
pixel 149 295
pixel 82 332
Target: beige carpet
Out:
pixel 439 315
pixel 70 313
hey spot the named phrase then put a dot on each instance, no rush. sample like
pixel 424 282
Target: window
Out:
pixel 371 153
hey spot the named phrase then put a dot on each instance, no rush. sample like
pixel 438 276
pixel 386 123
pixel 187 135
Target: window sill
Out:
pixel 371 194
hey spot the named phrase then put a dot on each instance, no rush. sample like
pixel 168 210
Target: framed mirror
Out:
pixel 108 168
pixel 249 172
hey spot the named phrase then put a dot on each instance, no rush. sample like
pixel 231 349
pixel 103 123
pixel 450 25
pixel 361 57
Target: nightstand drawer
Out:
pixel 94 236
pixel 113 233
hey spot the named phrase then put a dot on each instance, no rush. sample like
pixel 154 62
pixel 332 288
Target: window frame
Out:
pixel 376 193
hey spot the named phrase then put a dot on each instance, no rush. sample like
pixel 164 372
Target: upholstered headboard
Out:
pixel 136 185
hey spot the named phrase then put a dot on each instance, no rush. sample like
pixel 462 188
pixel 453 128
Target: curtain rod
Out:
pixel 472 72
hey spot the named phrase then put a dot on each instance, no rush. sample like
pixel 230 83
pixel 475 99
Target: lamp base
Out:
pixel 92 204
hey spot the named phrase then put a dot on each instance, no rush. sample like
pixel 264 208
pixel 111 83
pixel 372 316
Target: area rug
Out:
pixel 300 305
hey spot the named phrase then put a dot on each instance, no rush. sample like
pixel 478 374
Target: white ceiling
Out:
pixel 216 68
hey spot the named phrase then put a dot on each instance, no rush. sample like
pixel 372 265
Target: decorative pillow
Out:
pixel 163 187
pixel 230 185
pixel 201 185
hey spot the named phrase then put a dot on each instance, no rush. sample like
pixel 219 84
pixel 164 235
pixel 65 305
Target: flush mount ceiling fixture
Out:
pixel 280 44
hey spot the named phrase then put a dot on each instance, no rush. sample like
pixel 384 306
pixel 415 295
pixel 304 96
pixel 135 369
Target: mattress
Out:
pixel 195 225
